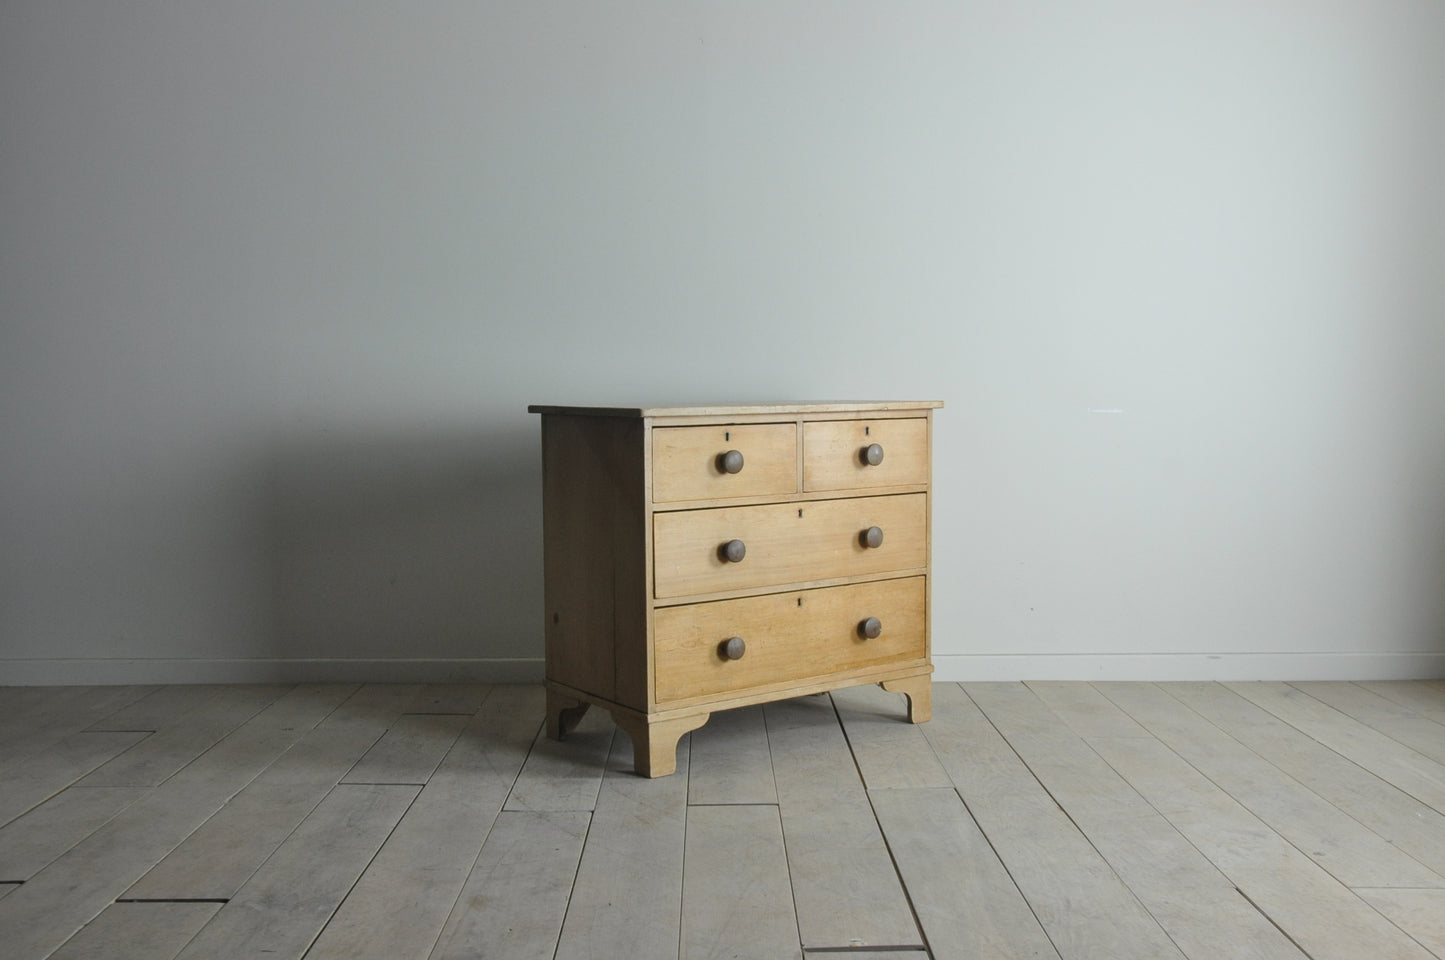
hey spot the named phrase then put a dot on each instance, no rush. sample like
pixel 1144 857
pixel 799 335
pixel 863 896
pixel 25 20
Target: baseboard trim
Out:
pixel 145 671
pixel 947 668
pixel 1190 666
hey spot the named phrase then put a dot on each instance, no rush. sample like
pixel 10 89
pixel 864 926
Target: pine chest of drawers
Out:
pixel 703 558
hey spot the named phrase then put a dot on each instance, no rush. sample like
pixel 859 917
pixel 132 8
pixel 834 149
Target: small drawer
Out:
pixel 691 463
pixel 836 454
pixel 787 637
pixel 784 543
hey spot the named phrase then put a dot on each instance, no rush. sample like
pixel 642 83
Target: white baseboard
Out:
pixel 1191 666
pixel 143 671
pixel 947 668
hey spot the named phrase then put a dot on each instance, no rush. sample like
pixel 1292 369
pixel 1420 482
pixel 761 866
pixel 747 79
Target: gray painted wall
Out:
pixel 277 282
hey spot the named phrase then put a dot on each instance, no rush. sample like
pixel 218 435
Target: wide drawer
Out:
pixel 835 453
pixel 688 463
pixel 787 637
pixel 785 543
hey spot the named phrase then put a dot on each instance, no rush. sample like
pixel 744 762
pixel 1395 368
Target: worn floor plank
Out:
pixel 627 898
pixel 42 716
pixel 29 843
pixel 515 898
pixel 1196 905
pixel 566 774
pixel 966 902
pixel 1420 913
pixel 1315 910
pixel 30 782
pixel 401 903
pixel 736 900
pixel 845 887
pixel 182 738
pixel 1391 813
pixel 1405 768
pixel 68 893
pixel 1420 732
pixel 891 753
pixel 1426 698
pixel 222 854
pixel 409 750
pixel 279 912
pixel 1349 850
pixel 138 931
pixel 1080 901
pixel 730 762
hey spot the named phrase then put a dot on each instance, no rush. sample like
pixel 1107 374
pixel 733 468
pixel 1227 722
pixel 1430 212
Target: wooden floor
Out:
pixel 1059 820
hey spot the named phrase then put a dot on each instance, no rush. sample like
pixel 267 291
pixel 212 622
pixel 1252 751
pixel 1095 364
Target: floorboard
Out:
pixel 1052 820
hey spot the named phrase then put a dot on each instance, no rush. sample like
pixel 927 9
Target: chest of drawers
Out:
pixel 703 558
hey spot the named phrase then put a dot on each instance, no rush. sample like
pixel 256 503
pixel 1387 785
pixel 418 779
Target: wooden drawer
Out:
pixel 787 543
pixel 833 453
pixel 789 637
pixel 687 461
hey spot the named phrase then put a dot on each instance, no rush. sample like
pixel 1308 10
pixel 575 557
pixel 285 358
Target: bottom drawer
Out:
pixel 787 637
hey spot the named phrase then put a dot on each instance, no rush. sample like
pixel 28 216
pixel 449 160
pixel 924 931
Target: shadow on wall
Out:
pixel 420 546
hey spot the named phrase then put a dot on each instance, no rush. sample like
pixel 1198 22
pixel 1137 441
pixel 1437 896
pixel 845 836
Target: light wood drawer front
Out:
pixel 833 453
pixel 789 637
pixel 787 543
pixel 686 461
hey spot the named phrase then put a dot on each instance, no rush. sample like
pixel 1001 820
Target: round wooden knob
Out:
pixel 872 537
pixel 732 648
pixel 730 462
pixel 872 454
pixel 733 551
pixel 871 628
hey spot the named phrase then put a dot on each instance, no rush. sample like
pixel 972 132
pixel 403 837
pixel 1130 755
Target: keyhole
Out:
pixel 867 430
pixel 727 435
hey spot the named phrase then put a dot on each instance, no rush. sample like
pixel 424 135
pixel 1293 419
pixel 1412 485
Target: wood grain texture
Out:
pixel 1420 913
pixel 217 858
pixel 968 905
pixel 30 842
pixel 409 751
pixel 516 896
pixel 787 543
pixel 57 901
pixel 736 900
pixel 32 780
pixel 730 761
pixel 627 898
pixel 845 888
pixel 1327 835
pixel 890 753
pixel 786 410
pixel 1399 818
pixel 400 905
pixel 594 556
pixel 1406 768
pixel 280 911
pixel 1315 910
pixel 685 461
pixel 832 457
pixel 789 637
pixel 1421 732
pixel 1196 905
pixel 1083 905
pixel 566 774
pixel 138 931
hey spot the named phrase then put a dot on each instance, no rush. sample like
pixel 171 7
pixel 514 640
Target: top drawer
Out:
pixel 688 463
pixel 836 453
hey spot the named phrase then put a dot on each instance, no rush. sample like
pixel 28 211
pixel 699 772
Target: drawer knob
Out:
pixel 870 629
pixel 733 551
pixel 872 454
pixel 732 648
pixel 872 537
pixel 730 462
